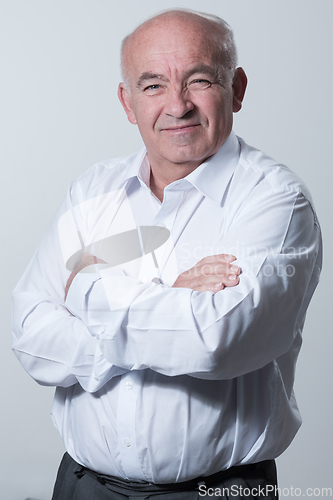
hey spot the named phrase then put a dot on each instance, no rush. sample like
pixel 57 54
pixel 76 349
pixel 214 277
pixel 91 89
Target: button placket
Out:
pixel 166 218
pixel 126 419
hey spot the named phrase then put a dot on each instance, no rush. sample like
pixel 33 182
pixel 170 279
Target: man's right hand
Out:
pixel 86 260
pixel 212 273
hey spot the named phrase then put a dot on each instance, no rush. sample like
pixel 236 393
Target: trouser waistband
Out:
pixel 137 488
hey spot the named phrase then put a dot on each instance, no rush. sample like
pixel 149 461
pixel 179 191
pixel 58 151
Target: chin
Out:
pixel 185 156
pixel 185 160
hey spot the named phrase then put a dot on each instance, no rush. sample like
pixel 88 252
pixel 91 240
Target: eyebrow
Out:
pixel 201 68
pixel 146 76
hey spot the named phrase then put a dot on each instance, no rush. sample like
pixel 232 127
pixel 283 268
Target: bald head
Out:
pixel 214 31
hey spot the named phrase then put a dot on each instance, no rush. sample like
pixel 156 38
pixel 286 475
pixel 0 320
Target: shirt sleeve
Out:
pixel 176 331
pixel 55 347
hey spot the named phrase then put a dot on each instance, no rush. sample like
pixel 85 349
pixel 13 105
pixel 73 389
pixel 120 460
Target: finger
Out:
pixel 226 257
pixel 68 284
pixel 210 282
pixel 226 270
pixel 235 270
pixel 220 269
pixel 231 280
pixel 216 287
pixel 88 259
pixel 217 258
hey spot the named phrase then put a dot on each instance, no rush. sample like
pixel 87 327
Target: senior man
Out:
pixel 174 362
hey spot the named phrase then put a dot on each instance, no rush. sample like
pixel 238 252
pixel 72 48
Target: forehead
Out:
pixel 173 45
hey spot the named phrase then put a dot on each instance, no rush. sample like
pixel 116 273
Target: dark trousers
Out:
pixel 246 482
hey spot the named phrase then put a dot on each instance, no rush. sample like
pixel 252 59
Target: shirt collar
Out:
pixel 211 178
pixel 133 166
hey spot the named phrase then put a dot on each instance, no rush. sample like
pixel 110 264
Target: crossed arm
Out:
pixel 212 273
pixel 210 335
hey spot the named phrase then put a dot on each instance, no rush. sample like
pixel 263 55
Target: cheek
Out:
pixel 210 106
pixel 147 115
pixel 219 115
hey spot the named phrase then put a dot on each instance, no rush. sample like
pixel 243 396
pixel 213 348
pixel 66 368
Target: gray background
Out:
pixel 60 114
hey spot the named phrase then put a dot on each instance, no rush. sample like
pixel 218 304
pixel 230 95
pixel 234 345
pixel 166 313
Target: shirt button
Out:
pixel 129 385
pixel 127 442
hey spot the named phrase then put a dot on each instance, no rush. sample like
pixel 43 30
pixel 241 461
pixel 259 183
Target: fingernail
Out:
pixel 229 258
pixel 217 285
pixel 232 278
pixel 234 269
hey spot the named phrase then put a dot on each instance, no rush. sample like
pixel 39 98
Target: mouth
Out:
pixel 182 129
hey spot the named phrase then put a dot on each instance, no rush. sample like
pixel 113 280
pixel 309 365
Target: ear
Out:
pixel 126 102
pixel 239 86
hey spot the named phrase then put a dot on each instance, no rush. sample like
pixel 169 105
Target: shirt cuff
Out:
pixel 83 282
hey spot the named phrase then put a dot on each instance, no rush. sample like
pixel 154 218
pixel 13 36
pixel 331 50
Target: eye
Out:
pixel 152 87
pixel 200 84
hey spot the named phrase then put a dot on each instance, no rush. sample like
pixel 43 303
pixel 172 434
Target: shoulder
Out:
pixel 105 176
pixel 269 173
pixel 262 176
pixel 262 185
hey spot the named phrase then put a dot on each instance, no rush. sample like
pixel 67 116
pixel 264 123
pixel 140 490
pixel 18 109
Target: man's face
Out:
pixel 184 113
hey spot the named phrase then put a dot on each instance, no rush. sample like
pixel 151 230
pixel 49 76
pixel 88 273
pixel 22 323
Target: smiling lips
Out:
pixel 184 128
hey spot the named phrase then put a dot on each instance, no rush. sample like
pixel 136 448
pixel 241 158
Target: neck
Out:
pixel 161 177
pixel 157 188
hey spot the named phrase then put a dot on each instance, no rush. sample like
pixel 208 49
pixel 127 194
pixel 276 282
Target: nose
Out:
pixel 178 103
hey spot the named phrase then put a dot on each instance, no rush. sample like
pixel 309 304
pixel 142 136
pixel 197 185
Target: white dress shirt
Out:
pixel 166 384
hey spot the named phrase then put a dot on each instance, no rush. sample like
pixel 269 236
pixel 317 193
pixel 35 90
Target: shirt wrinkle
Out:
pixel 143 355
